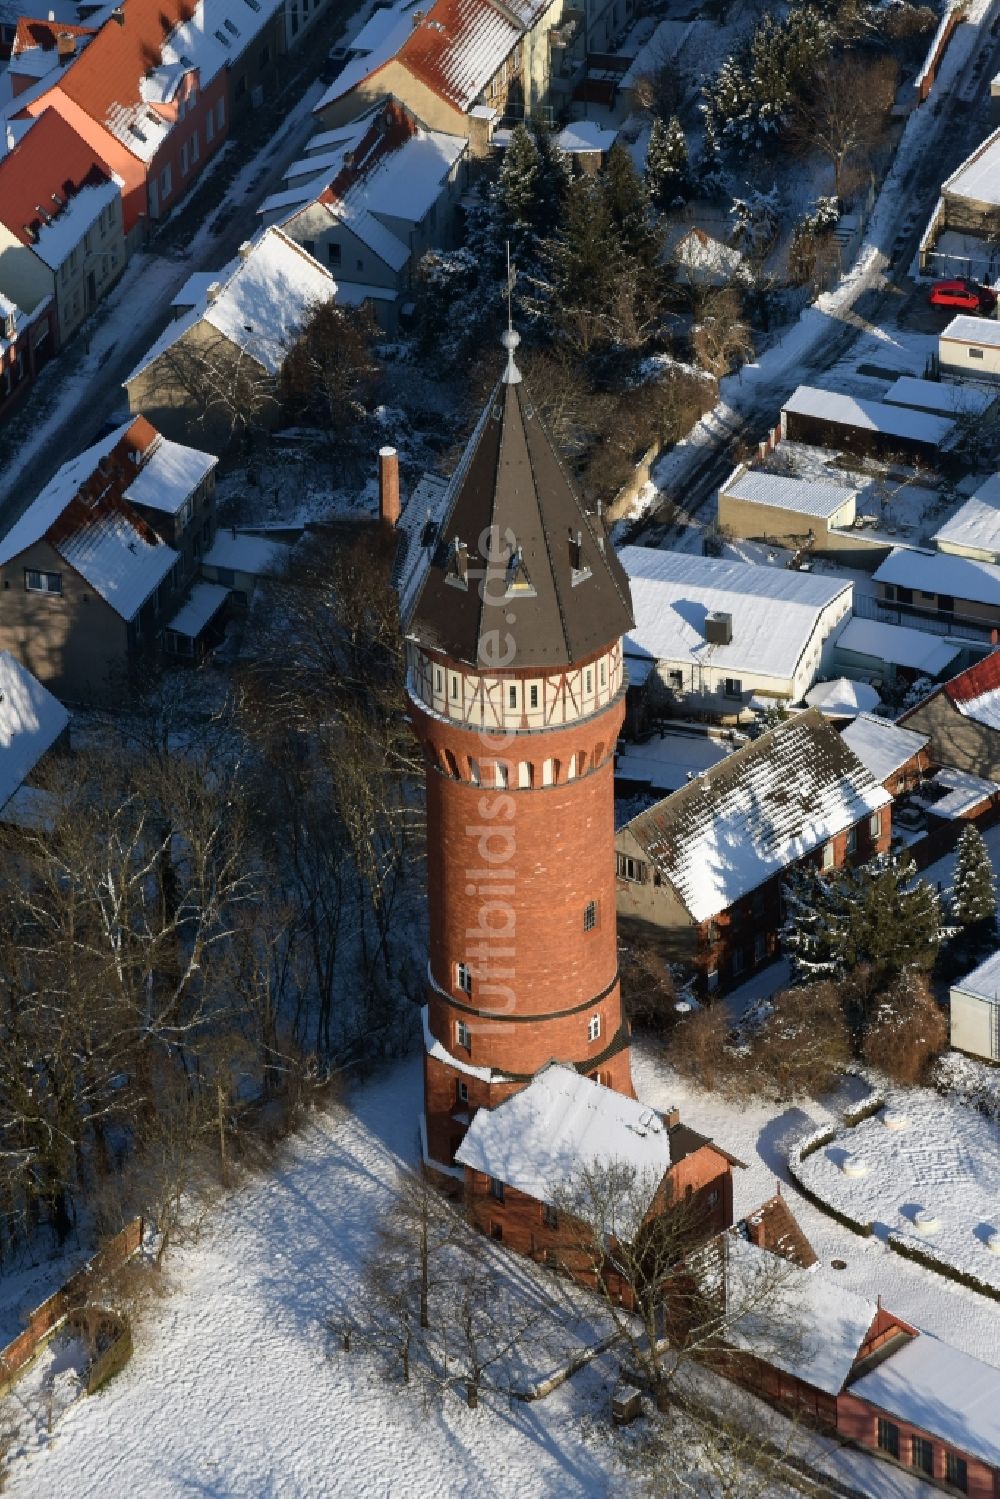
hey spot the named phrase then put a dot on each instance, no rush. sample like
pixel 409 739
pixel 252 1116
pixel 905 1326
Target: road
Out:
pixel 73 399
pixel 888 292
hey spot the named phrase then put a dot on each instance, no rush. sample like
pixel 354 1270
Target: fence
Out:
pixel 926 78
pixel 45 1319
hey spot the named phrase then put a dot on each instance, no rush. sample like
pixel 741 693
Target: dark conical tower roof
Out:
pixel 523 575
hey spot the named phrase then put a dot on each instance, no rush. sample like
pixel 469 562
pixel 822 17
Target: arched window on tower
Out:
pixel 474 775
pixel 548 772
pixel 500 773
pixel 450 764
pixel 524 775
pixel 571 768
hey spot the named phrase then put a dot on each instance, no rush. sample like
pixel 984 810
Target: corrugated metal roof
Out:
pixel 805 496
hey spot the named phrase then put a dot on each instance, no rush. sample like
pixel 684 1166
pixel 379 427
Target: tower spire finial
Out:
pixel 510 338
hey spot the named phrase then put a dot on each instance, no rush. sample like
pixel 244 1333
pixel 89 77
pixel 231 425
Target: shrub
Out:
pixel 906 1030
pixel 699 1050
pixel 803 1045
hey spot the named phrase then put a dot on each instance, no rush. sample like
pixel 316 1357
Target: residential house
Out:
pixel 760 505
pixel 975 1011
pixel 701 871
pixel 893 653
pixel 237 560
pixel 172 488
pixel 711 635
pixel 367 200
pixel 461 66
pixel 845 1364
pixel 32 725
pixel 149 94
pixel 828 418
pixel 61 231
pixel 40 48
pixel 970 347
pixel 961 719
pixel 87 584
pixel 960 238
pixel 957 592
pixel 216 367
pixel 27 341
pixel 974 529
pixel 699 259
pixel 527 1160
pixel 896 757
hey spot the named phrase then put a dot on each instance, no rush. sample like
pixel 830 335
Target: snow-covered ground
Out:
pixel 921 1155
pixel 237 1390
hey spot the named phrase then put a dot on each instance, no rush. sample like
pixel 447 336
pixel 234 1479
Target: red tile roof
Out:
pixel 458 47
pixel 50 159
pixel 109 70
pixel 983 677
pixel 43 34
pixel 391 128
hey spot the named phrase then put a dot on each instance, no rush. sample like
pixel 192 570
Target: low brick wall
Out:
pixel 44 1320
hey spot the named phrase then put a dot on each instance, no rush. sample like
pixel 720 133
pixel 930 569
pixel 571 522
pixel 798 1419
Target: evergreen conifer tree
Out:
pixel 668 171
pixel 974 900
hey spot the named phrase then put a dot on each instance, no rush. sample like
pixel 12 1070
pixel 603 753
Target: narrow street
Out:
pixel 82 388
pixel 884 294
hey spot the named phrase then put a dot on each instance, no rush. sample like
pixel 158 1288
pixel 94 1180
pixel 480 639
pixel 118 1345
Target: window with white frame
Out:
pixel 732 687
pixel 875 825
pixel 852 840
pixel 631 869
pixel 463 978
pixel 828 854
pixel 39 582
pixel 462 1091
pixel 594 1028
pixel 533 695
pixel 548 772
pixel 463 1036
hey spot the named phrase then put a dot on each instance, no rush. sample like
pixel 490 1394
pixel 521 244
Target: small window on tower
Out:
pixel 462 1091
pixel 590 916
pixel 594 1028
pixel 438 680
pixel 463 1036
pixel 454 688
pixel 533 690
pixel 590 680
pixel 512 694
pixel 496 1188
pixel 463 977
pixel 604 673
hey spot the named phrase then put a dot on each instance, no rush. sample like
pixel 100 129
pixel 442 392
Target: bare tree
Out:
pixel 845 110
pixel 223 385
pixel 721 339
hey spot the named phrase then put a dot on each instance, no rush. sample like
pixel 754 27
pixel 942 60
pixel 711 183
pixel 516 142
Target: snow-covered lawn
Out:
pixel 924 1169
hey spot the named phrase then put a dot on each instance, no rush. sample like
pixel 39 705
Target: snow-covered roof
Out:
pixel 418 530
pixel 975 692
pixel 936 396
pixel 120 561
pixel 356 293
pixel 842 698
pixel 198 609
pixel 757 812
pixel 795 1319
pixel 804 496
pixel 169 475
pixel 49 503
pixel 584 137
pixel 966 329
pixel 983 982
pixel 869 416
pixel 370 231
pixel 31 721
pixel 882 746
pixel 561 1125
pixel 245 554
pixel 261 305
pixel 774 612
pixel 965 792
pixel 976 522
pixel 705 258
pixel 978 177
pixel 195 288
pixel 59 237
pixel 939 572
pixel 380 47
pixel 941 1390
pixel 898 645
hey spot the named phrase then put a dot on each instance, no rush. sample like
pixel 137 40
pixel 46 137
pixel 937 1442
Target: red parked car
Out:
pixel 962 293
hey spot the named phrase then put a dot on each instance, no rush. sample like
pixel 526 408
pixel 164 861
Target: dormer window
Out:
pixel 578 569
pixel 458 564
pixel 517 577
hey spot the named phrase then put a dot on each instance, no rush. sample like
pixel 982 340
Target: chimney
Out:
pixel 11 141
pixel 118 14
pixel 389 508
pixel 418 16
pixel 756 1232
pixel 718 628
pixel 672 1118
pixel 212 291
pixel 65 47
pixel 245 250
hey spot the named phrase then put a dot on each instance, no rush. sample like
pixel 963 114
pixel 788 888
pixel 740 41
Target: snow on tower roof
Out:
pixel 881 745
pixel 562 1125
pixel 763 808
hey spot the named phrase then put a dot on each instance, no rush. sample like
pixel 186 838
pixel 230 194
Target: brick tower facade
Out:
pixel 516 693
